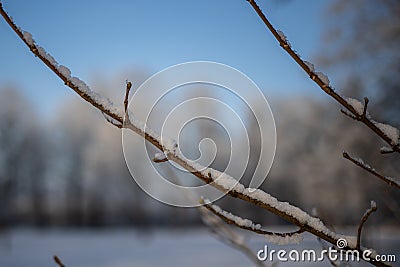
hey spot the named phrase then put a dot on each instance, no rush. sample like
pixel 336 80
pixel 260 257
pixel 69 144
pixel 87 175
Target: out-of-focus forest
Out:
pixel 69 170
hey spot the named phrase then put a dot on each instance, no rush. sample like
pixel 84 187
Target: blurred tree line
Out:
pixel 69 170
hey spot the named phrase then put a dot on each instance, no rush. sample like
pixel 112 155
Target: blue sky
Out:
pixel 106 38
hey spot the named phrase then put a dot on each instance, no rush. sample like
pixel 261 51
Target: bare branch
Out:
pixel 323 82
pixel 58 261
pixel 371 210
pixel 359 162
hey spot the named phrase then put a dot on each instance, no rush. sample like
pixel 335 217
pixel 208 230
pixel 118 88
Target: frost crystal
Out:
pixel 357 105
pixel 389 131
pixel 323 78
pixel 373 204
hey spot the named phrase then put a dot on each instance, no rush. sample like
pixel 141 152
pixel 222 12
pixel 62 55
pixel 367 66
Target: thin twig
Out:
pixel 226 235
pixel 126 100
pixel 358 117
pixel 389 180
pixel 251 227
pixel 112 121
pixel 333 263
pixel 160 157
pixel 325 87
pixel 386 150
pixel 366 100
pixel 156 160
pixel 58 261
pixel 371 210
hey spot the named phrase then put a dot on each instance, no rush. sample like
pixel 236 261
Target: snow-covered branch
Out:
pixel 160 157
pixel 354 108
pixel 359 162
pixel 334 263
pixel 58 261
pixel 126 100
pixel 218 179
pixel 249 225
pixel 364 218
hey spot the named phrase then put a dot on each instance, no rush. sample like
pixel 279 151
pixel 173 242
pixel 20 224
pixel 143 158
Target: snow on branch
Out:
pixel 276 238
pixel 360 108
pixel 112 121
pixel 227 235
pixel 219 180
pixel 353 108
pixel 79 86
pixel 219 227
pixel 231 218
pixel 58 261
pixel 359 162
pixel 389 131
pixel 334 263
pixel 364 218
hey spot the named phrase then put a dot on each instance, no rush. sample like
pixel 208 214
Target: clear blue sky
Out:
pixel 109 37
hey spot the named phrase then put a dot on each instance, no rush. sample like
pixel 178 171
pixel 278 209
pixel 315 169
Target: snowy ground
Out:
pixel 126 247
